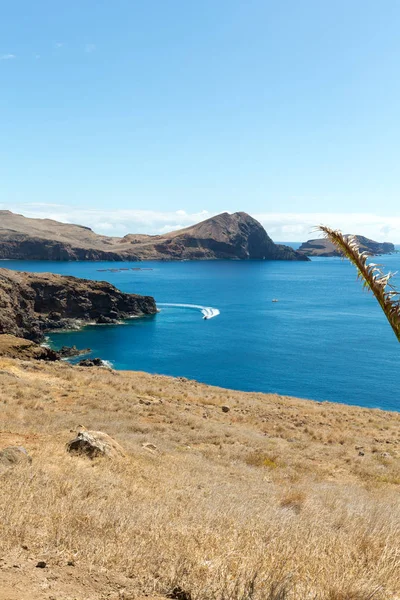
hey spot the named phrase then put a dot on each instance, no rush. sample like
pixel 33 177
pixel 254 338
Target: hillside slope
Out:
pixel 221 494
pixel 236 236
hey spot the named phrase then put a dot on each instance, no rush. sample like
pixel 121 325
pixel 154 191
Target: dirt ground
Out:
pixel 21 579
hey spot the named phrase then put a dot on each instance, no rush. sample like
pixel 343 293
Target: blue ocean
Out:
pixel 324 338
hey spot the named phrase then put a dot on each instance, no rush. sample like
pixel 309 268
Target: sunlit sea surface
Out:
pixel 323 339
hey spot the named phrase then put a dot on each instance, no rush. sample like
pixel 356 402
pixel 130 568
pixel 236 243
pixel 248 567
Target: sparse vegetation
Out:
pixel 277 499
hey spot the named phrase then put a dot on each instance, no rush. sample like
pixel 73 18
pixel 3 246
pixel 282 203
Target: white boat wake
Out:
pixel 207 311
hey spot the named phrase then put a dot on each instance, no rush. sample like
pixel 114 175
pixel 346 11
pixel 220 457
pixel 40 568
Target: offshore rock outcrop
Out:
pixel 226 236
pixel 32 303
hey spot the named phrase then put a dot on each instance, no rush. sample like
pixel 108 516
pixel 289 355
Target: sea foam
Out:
pixel 208 312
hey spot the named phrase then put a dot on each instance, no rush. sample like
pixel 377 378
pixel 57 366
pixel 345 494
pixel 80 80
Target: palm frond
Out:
pixel 374 279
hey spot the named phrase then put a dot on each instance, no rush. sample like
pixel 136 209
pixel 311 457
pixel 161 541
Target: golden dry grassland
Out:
pixel 274 499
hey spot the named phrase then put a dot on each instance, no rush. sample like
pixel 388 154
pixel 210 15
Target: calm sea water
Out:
pixel 324 339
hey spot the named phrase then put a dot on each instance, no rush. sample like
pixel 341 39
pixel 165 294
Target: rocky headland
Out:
pixel 226 236
pixel 32 304
pixel 323 247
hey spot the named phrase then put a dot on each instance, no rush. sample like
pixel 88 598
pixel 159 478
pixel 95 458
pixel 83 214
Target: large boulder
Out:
pixel 95 443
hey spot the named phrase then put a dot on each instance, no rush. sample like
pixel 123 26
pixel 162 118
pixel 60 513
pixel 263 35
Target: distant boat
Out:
pixel 275 300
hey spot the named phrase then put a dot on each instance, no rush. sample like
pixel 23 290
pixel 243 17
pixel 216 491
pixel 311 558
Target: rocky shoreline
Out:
pixel 34 304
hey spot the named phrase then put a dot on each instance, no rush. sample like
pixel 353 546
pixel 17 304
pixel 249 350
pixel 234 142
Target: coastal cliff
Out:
pixel 226 236
pixel 32 303
pixel 322 247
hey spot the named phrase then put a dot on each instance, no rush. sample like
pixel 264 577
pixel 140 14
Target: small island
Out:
pixel 322 247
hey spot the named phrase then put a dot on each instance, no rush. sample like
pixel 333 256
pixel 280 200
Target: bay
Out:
pixel 325 339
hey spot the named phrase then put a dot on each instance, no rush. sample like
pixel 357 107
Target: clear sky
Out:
pixel 146 115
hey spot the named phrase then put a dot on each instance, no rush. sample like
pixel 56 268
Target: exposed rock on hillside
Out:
pixel 323 247
pixel 236 236
pixel 31 304
pixel 93 444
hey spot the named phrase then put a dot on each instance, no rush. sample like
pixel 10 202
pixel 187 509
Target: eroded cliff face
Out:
pixel 236 236
pixel 26 248
pixel 31 304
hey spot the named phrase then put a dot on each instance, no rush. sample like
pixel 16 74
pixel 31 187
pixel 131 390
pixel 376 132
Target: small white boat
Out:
pixel 275 300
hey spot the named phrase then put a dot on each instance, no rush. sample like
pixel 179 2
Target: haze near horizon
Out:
pixel 128 117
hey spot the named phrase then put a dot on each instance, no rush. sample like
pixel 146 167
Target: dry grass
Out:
pixel 277 499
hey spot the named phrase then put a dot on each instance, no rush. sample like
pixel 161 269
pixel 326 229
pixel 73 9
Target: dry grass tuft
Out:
pixel 261 459
pixel 294 500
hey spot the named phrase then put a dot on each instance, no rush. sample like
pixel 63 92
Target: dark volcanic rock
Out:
pixel 31 304
pixel 91 362
pixel 103 320
pixel 225 236
pixel 323 247
pixel 70 351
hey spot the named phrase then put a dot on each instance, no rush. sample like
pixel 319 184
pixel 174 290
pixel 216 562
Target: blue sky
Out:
pixel 143 116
